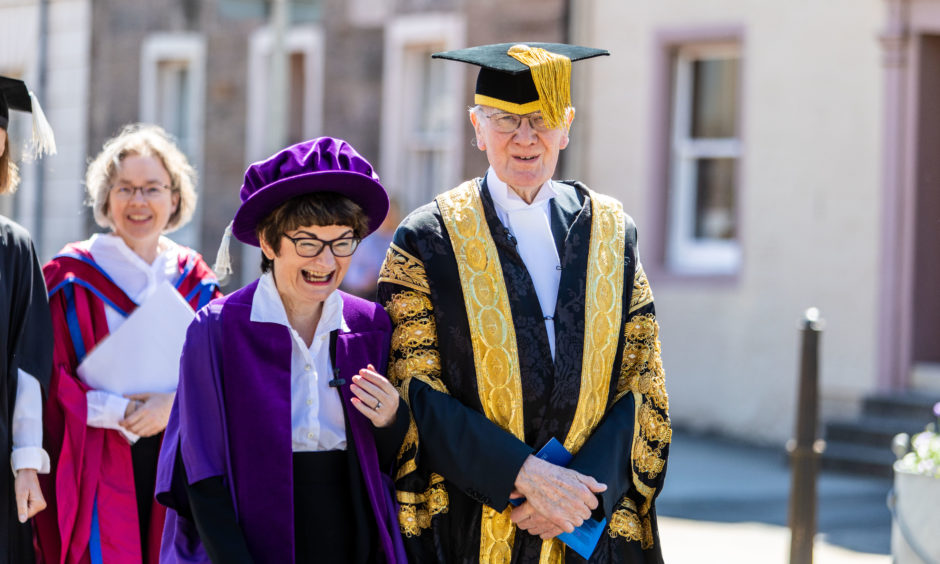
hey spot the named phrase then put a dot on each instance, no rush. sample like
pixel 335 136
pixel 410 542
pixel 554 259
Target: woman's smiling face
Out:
pixel 142 217
pixel 307 281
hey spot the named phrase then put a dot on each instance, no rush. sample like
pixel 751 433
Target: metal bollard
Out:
pixel 805 449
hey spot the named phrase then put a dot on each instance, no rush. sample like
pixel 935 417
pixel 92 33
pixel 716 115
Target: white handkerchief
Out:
pixel 143 355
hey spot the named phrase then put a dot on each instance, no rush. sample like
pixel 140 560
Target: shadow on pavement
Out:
pixel 720 480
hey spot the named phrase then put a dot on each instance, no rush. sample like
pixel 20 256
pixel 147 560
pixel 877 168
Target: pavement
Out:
pixel 726 502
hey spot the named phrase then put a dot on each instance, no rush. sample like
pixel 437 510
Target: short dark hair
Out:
pixel 318 208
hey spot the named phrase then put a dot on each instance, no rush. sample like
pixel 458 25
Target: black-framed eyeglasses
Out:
pixel 309 247
pixel 149 192
pixel 505 122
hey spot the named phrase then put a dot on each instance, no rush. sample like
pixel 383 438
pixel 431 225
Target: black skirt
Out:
pixel 324 517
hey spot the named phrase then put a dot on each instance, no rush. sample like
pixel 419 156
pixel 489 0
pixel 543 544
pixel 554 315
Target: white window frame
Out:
pixel 684 253
pixel 190 48
pixel 444 32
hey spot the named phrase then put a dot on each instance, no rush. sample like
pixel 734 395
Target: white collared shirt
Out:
pixel 317 421
pixel 530 224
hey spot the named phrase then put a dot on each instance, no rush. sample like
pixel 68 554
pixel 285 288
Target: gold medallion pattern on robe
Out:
pixel 493 338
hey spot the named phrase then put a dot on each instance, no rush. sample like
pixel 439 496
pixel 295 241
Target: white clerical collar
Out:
pixel 267 307
pixel 507 199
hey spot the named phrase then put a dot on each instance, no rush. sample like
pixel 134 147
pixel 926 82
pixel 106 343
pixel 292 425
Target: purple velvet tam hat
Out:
pixel 324 164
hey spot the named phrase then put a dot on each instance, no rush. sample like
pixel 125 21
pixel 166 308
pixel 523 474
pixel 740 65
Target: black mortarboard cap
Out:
pixel 14 95
pixel 524 77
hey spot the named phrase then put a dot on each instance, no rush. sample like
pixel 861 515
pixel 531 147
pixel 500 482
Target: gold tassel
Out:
pixel 551 74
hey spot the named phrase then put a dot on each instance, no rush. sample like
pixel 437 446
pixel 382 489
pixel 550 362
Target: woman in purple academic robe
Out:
pixel 284 429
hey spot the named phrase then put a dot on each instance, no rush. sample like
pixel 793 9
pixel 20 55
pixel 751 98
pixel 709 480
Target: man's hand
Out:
pixel 151 415
pixel 565 498
pixel 528 520
pixel 29 500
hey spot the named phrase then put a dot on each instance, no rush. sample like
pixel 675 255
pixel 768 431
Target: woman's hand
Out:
pixel 29 500
pixel 150 414
pixel 376 398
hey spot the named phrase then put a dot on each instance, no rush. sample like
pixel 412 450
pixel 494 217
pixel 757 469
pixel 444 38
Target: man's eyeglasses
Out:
pixel 309 247
pixel 507 123
pixel 149 192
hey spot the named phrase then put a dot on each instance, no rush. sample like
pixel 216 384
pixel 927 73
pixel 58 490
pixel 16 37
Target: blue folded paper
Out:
pixel 583 539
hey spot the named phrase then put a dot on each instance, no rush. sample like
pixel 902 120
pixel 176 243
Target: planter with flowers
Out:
pixel 915 500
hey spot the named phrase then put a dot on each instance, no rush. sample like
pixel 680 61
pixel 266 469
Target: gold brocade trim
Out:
pixel 410 441
pixel 414 341
pixel 408 304
pixel 414 333
pixel 414 356
pixel 642 293
pixel 626 522
pixel 415 510
pixel 646 459
pixel 642 367
pixel 641 373
pixel 404 269
pixel 493 338
pixel 426 363
pixel 655 426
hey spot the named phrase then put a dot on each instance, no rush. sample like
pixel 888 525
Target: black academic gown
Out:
pixel 25 343
pixel 457 460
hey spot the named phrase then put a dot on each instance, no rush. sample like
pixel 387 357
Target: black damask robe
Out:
pixel 455 460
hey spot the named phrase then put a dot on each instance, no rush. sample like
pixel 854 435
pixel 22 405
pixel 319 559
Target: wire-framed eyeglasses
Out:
pixel 309 247
pixel 149 192
pixel 505 122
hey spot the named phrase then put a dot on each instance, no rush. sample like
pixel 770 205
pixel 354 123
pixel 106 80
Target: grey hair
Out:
pixel 143 140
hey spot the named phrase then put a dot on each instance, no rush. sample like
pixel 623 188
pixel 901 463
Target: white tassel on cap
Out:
pixel 43 142
pixel 223 260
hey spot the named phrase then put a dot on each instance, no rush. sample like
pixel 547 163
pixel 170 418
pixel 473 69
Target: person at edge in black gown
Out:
pixel 522 313
pixel 25 344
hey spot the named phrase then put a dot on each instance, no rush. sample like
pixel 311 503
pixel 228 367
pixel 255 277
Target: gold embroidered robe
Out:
pixel 470 354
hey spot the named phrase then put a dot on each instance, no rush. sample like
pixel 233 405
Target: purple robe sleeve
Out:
pixel 199 398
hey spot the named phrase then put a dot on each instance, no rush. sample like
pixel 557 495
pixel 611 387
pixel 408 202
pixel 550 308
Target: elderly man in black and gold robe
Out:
pixel 522 313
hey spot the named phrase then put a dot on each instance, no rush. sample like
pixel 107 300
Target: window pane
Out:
pixel 714 97
pixel 432 107
pixel 714 199
pixel 173 99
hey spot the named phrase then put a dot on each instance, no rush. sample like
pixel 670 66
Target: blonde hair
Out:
pixel 9 172
pixel 143 140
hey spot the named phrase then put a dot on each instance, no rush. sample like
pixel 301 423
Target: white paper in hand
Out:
pixel 143 355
